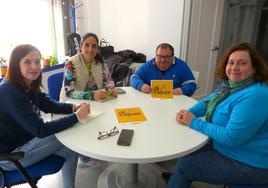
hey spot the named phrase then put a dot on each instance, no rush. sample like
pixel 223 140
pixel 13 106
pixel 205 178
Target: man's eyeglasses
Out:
pixel 105 134
pixel 163 58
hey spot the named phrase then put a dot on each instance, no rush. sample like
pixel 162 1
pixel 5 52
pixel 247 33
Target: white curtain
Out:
pixel 36 22
pixel 58 29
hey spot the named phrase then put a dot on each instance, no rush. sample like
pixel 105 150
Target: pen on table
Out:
pixel 89 100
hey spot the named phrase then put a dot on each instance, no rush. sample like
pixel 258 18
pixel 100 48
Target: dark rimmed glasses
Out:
pixel 163 58
pixel 105 134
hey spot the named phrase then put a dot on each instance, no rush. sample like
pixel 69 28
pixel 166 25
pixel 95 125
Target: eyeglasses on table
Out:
pixel 105 134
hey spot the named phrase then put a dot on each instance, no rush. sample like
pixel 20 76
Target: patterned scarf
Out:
pixel 225 90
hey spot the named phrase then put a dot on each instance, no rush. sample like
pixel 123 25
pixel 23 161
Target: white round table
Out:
pixel 160 138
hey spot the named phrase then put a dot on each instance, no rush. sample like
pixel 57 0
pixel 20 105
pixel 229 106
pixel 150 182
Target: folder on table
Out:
pixel 130 115
pixel 162 89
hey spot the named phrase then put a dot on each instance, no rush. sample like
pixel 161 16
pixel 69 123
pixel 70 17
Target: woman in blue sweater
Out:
pixel 236 121
pixel 22 128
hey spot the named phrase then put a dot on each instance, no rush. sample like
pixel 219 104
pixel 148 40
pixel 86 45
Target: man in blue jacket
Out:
pixel 165 67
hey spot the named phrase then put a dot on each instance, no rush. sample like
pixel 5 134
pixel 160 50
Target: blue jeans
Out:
pixel 207 165
pixel 46 147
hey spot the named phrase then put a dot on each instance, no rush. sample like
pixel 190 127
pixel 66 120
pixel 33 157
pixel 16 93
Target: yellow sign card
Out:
pixel 162 89
pixel 130 115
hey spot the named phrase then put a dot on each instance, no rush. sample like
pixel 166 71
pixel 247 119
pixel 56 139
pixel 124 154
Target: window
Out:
pixel 31 21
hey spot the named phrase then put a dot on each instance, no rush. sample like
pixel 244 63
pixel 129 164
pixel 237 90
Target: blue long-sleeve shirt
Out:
pixel 19 119
pixel 179 72
pixel 239 127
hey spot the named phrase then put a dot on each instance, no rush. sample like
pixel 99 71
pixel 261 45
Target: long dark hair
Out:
pixel 98 57
pixel 14 74
pixel 258 63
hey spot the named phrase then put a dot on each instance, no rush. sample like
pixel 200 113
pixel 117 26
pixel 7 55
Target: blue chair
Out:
pixel 31 174
pixel 54 84
pixel 248 186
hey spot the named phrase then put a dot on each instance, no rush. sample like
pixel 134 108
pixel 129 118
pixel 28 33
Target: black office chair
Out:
pixel 50 165
pixel 246 186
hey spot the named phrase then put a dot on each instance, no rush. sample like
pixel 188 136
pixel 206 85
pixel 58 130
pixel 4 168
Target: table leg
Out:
pixel 131 176
pixel 132 173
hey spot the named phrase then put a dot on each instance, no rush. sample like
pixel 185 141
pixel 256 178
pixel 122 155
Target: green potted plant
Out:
pixel 52 60
pixel 3 66
pixel 49 61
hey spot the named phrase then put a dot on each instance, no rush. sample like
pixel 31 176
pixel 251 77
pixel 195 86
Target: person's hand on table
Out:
pixel 145 88
pixel 77 106
pixel 82 111
pixel 112 91
pixel 177 91
pixel 185 117
pixel 100 94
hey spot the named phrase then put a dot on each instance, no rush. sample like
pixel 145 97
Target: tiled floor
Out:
pixel 87 177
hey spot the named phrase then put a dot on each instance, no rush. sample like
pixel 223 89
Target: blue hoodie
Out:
pixel 179 72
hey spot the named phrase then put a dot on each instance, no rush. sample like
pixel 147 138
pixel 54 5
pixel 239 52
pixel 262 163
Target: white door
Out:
pixel 204 36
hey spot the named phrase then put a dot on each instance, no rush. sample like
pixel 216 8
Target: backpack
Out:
pixel 74 40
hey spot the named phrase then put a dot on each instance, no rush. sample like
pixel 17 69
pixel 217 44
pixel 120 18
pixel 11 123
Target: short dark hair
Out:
pixel 165 45
pixel 258 63
pixel 14 73
pixel 98 57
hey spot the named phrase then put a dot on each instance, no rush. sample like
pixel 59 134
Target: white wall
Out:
pixel 164 24
pixel 139 25
pixel 88 16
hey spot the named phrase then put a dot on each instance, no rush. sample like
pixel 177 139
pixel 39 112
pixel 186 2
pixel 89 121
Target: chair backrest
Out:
pixel 196 76
pixel 54 84
pixel 50 165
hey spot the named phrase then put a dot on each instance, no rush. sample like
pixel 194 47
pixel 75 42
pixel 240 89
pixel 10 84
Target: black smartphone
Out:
pixel 120 90
pixel 125 137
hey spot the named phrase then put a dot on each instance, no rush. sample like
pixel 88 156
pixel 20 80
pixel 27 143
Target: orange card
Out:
pixel 130 115
pixel 162 89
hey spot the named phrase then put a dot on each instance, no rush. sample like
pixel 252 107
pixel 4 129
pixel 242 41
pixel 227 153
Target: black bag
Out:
pixel 120 72
pixel 118 67
pixel 106 50
pixel 136 57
